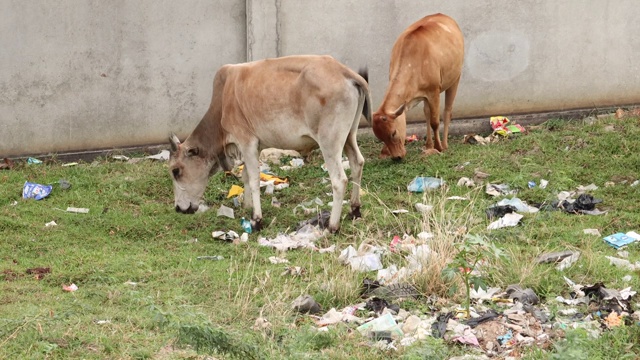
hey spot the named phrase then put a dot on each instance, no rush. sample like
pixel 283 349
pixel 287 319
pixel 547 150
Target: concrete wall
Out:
pixel 81 74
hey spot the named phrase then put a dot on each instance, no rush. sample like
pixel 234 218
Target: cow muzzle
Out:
pixel 190 210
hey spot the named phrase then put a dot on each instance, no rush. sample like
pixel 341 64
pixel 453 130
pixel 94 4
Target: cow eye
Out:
pixel 176 173
pixel 193 152
pixel 394 133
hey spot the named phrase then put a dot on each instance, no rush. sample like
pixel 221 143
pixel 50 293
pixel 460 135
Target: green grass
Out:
pixel 181 305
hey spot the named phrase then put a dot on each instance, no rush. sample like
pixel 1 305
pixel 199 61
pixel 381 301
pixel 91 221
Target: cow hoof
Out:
pixel 429 152
pixel 355 213
pixel 334 230
pixel 256 225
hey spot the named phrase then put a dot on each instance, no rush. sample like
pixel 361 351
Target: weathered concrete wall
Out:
pixel 521 56
pixel 82 74
pixel 78 74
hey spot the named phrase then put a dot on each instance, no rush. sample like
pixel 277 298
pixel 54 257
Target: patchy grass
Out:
pixel 143 294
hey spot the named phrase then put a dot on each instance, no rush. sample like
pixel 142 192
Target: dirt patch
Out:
pixel 39 272
pixel 9 275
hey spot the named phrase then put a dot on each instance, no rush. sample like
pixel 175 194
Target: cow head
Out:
pixel 391 129
pixel 189 168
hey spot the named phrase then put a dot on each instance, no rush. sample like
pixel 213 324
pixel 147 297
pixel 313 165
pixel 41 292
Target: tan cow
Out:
pixel 295 103
pixel 425 61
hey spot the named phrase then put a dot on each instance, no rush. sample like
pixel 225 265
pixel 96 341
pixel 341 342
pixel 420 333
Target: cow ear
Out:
pixel 194 151
pixel 175 142
pixel 399 111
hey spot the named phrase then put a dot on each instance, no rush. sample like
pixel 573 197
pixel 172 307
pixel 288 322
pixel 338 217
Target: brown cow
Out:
pixel 296 103
pixel 425 61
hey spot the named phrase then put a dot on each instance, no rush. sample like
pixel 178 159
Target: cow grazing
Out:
pixel 295 103
pixel 425 61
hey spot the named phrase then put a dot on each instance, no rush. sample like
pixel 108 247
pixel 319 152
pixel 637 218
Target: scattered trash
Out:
pixel 225 211
pixel 302 238
pixel 519 205
pixel 619 240
pixel 305 304
pixel 623 263
pixel 412 138
pixel 420 207
pixel 235 190
pixel 202 208
pixel 32 160
pixel 14 203
pixel 35 191
pixel 78 210
pixel 543 183
pixel 215 258
pixel 364 259
pixel 321 220
pixel 526 296
pixel 457 198
pixel 498 211
pixel 162 156
pixel 420 184
pixel 595 232
pixel 385 322
pixel 511 219
pixel 531 184
pixel 499 189
pixel 131 283
pixel 584 204
pixel 564 258
pixel 274 156
pixel 120 157
pixel 50 224
pixel 464 181
pixel 275 202
pixel 309 207
pixel 473 139
pixel 70 288
pixel 278 260
pixel 246 225
pixel 227 236
pixel 399 211
pixel 504 338
pixel 102 322
pixel 64 184
pixel 500 126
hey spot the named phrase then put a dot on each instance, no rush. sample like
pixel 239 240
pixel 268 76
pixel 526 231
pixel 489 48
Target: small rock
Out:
pixel 305 304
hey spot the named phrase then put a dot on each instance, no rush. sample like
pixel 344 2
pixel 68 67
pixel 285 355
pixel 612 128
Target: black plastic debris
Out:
pixel 584 202
pixel 526 296
pixel 377 305
pixel 537 313
pixel 500 211
pixel 368 286
pixel 321 220
pixel 439 327
pixel 305 304
pixel 486 316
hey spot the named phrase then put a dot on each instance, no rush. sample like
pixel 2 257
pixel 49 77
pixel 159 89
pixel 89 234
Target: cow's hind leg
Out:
pixel 450 96
pixel 432 114
pixel 331 149
pixel 356 163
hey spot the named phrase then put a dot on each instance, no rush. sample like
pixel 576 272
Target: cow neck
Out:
pixel 209 136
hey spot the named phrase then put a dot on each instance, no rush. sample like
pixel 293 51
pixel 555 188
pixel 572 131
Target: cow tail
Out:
pixel 364 88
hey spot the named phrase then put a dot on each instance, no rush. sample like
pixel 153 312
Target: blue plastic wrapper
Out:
pixel 420 184
pixel 619 240
pixel 35 191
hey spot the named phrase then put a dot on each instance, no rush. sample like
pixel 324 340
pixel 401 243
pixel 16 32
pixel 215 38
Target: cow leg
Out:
pixel 432 113
pixel 247 201
pixel 449 97
pixel 356 163
pixel 252 183
pixel 332 154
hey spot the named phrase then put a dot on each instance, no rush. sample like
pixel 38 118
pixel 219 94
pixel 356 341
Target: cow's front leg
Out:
pixel 247 200
pixel 432 114
pixel 252 183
